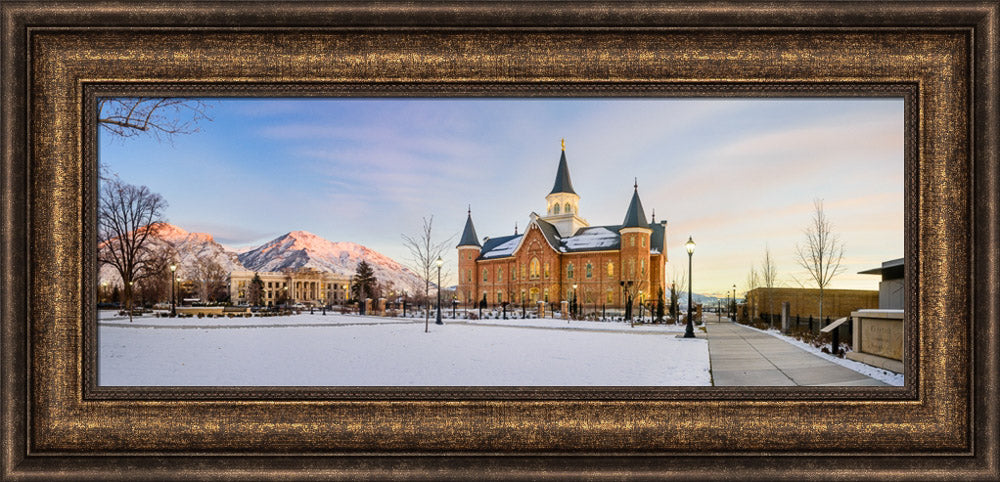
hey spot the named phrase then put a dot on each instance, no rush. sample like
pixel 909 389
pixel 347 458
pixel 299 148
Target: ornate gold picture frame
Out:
pixel 941 58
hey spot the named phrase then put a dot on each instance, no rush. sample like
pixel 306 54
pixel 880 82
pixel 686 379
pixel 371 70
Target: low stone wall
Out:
pixel 210 310
pixel 879 338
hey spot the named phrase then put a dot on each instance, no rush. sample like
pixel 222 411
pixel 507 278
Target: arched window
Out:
pixel 569 271
pixel 568 208
pixel 546 269
pixel 590 270
pixel 610 296
pixel 468 275
pixel 546 295
pixel 500 274
pixel 535 268
pixel 499 296
pixel 486 276
pixel 611 269
pixel 631 268
pixel 642 266
pixel 631 241
pixel 555 209
pixel 643 241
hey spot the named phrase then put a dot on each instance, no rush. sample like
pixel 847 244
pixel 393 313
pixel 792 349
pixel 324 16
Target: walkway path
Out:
pixel 741 356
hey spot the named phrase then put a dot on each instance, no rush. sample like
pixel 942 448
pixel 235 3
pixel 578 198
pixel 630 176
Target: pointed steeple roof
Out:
pixel 635 217
pixel 469 237
pixel 563 183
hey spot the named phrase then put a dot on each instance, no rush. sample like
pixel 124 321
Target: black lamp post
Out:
pixel 689 331
pixel 573 308
pixel 734 303
pixel 439 262
pixel 173 297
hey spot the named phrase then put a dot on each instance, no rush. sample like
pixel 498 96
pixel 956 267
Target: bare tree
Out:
pixel 157 116
pixel 676 283
pixel 128 217
pixel 211 277
pixel 822 253
pixel 424 252
pixel 752 282
pixel 769 279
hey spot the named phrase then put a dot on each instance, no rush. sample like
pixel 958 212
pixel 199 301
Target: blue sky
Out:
pixel 736 174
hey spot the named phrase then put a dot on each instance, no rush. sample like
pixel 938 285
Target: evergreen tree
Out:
pixel 255 292
pixel 363 283
pixel 659 305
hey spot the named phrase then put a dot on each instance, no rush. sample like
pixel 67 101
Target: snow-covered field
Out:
pixel 350 350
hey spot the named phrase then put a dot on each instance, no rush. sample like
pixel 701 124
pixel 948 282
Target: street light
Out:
pixel 439 262
pixel 733 307
pixel 689 331
pixel 572 309
pixel 173 296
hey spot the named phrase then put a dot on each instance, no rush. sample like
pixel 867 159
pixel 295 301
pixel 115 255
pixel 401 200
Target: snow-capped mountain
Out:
pixel 186 248
pixel 293 250
pixel 303 249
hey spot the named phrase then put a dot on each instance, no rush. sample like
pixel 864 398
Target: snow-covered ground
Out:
pixel 890 377
pixel 351 350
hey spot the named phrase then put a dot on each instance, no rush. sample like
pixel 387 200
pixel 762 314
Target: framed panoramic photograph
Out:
pixel 254 301
pixel 500 240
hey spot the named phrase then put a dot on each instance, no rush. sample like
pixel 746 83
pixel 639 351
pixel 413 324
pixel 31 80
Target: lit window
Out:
pixel 611 269
pixel 546 269
pixel 534 268
pixel 546 295
pixel 499 274
pixel 611 296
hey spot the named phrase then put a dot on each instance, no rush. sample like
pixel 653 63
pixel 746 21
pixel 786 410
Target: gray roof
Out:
pixel 563 183
pixel 635 217
pixel 469 237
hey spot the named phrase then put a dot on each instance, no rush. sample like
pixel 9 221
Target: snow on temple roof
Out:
pixel 594 238
pixel 498 247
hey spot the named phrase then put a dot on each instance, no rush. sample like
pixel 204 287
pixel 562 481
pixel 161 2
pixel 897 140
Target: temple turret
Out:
pixel 563 203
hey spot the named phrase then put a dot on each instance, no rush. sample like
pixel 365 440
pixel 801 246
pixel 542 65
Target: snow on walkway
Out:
pixel 338 350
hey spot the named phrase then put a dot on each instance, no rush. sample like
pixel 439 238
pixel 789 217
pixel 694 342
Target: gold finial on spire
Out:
pixel 564 143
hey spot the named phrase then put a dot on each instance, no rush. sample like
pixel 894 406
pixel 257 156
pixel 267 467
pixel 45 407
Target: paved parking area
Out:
pixel 741 356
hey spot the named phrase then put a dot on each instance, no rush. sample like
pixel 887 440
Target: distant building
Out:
pixel 805 301
pixel 302 285
pixel 890 289
pixel 560 250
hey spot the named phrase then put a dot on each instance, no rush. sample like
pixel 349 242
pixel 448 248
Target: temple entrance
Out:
pixel 534 295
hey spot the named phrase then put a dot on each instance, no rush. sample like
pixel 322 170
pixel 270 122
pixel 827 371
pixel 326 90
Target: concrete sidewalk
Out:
pixel 741 356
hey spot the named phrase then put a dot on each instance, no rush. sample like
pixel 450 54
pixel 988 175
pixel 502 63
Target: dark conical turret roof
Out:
pixel 469 237
pixel 563 183
pixel 635 217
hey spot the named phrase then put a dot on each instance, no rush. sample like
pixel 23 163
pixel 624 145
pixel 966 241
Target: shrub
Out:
pixel 201 315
